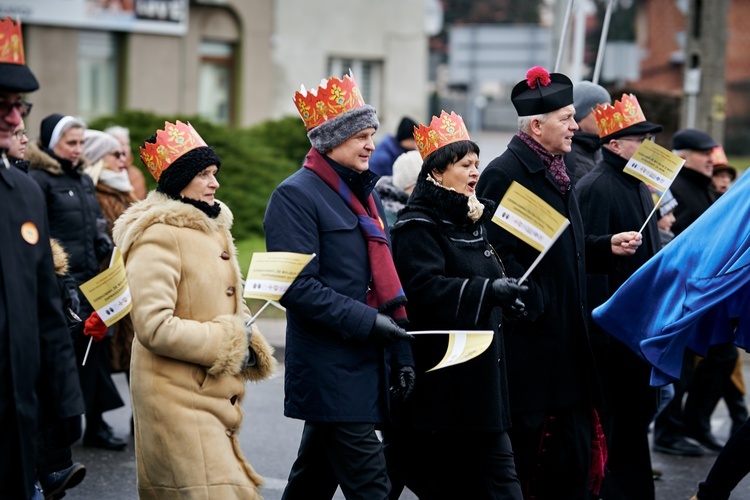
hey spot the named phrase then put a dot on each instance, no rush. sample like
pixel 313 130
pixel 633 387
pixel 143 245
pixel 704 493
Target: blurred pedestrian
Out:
pixel 343 343
pixel 195 344
pixel 137 179
pixel 556 435
pixel 454 427
pixel 37 363
pixel 585 151
pixel 56 163
pixel 723 174
pixel 394 190
pixel 613 201
pixel 393 146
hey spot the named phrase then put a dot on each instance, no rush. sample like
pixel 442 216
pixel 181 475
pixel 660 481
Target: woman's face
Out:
pixel 203 186
pixel 115 161
pixel 462 175
pixel 17 144
pixel 70 145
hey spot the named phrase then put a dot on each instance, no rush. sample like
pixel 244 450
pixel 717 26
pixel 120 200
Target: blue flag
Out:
pixel 693 294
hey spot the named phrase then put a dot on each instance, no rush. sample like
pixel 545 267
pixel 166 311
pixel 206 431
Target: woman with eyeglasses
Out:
pixel 57 164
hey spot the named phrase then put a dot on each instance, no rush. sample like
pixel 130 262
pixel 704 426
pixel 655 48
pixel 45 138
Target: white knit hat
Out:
pixel 406 169
pixel 97 144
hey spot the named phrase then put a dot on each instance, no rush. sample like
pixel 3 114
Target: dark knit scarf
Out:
pixel 212 211
pixel 555 164
pixel 385 293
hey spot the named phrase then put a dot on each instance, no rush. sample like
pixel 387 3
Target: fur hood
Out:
pixel 158 208
pixel 40 160
pixel 60 257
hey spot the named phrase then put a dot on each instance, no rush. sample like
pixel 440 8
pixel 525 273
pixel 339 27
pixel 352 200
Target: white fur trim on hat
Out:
pixel 335 131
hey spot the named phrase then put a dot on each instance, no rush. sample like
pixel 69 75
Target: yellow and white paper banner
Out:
pixel 463 345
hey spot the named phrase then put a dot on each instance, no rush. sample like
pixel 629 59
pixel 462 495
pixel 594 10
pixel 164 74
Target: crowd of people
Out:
pixel 403 241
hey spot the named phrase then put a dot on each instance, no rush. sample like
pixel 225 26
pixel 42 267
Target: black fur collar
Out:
pixel 445 205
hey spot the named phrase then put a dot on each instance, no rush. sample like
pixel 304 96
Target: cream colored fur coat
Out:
pixel 186 377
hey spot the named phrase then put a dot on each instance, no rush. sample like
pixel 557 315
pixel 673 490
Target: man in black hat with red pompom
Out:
pixel 558 443
pixel 37 364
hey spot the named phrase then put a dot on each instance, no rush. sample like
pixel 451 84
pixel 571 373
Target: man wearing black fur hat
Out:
pixel 343 341
pixel 37 364
pixel 391 147
pixel 551 371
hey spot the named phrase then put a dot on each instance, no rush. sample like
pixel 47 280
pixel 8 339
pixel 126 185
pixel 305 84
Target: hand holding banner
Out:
pixel 463 345
pixel 109 294
pixel 656 167
pixel 529 218
pixel 271 273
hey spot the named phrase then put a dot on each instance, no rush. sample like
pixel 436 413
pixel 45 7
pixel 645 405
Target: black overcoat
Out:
pixel 692 190
pixel 36 354
pixel 550 364
pixel 446 266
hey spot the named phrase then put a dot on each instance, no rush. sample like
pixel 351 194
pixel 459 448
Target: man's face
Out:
pixel 354 153
pixel 556 132
pixel 700 161
pixel 588 124
pixel 627 145
pixel 10 115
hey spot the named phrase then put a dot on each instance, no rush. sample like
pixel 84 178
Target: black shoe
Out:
pixel 679 446
pixel 55 484
pixel 102 439
pixel 657 474
pixel 707 440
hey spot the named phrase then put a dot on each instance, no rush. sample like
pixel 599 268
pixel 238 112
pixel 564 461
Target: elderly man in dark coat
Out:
pixel 613 201
pixel 551 373
pixel 37 364
pixel 342 336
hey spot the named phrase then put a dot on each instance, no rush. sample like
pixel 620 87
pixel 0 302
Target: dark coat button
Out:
pixel 230 291
pixel 487 253
pixel 225 255
pixel 233 399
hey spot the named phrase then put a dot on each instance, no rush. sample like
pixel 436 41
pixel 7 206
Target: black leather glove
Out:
pixel 507 291
pixel 515 311
pixel 386 332
pixel 403 383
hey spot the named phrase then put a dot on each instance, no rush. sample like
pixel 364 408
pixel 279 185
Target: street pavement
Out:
pixel 270 440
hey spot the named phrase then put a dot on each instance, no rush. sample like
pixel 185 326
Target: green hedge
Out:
pixel 254 160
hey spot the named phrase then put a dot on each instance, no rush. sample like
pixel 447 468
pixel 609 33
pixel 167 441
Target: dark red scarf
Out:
pixel 385 293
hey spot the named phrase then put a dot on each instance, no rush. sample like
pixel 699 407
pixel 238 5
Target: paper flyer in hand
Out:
pixel 108 291
pixel 271 273
pixel 654 165
pixel 529 218
pixel 463 345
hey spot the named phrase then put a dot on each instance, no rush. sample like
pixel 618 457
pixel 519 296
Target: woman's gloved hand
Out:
pixel 507 291
pixel 403 383
pixel 94 327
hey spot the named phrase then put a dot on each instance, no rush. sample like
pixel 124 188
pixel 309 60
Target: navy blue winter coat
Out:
pixel 385 154
pixel 333 373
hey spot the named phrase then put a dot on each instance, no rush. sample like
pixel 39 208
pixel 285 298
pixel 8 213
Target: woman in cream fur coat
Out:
pixel 193 349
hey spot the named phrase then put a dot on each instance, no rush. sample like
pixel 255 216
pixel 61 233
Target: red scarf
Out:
pixel 385 292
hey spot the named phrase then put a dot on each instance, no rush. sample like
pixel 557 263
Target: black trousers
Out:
pixel 334 454
pixel 451 464
pixel 732 464
pixel 54 442
pixel 553 452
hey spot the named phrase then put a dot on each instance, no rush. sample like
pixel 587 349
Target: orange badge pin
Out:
pixel 30 233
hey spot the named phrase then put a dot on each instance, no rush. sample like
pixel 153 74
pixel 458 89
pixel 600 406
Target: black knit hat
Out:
pixel 178 175
pixel 541 92
pixel 405 129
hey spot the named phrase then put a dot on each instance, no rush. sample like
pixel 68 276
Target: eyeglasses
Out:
pixel 24 107
pixel 19 134
pixel 119 154
pixel 639 138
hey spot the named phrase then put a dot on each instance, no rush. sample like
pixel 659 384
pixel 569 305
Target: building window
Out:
pixel 368 75
pixel 97 74
pixel 215 102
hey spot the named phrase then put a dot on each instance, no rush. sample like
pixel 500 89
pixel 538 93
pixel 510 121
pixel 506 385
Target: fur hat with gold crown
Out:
pixel 15 76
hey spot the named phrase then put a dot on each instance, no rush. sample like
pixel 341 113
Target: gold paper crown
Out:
pixel 332 98
pixel 718 156
pixel 171 143
pixel 11 42
pixel 623 114
pixel 443 130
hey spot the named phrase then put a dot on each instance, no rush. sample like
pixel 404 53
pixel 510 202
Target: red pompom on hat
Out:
pixel 541 92
pixel 536 75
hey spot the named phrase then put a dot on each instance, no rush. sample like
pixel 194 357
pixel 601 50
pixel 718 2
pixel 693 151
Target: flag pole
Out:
pixel 563 35
pixel 86 356
pixel 652 212
pixel 603 42
pixel 260 310
pixel 544 252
